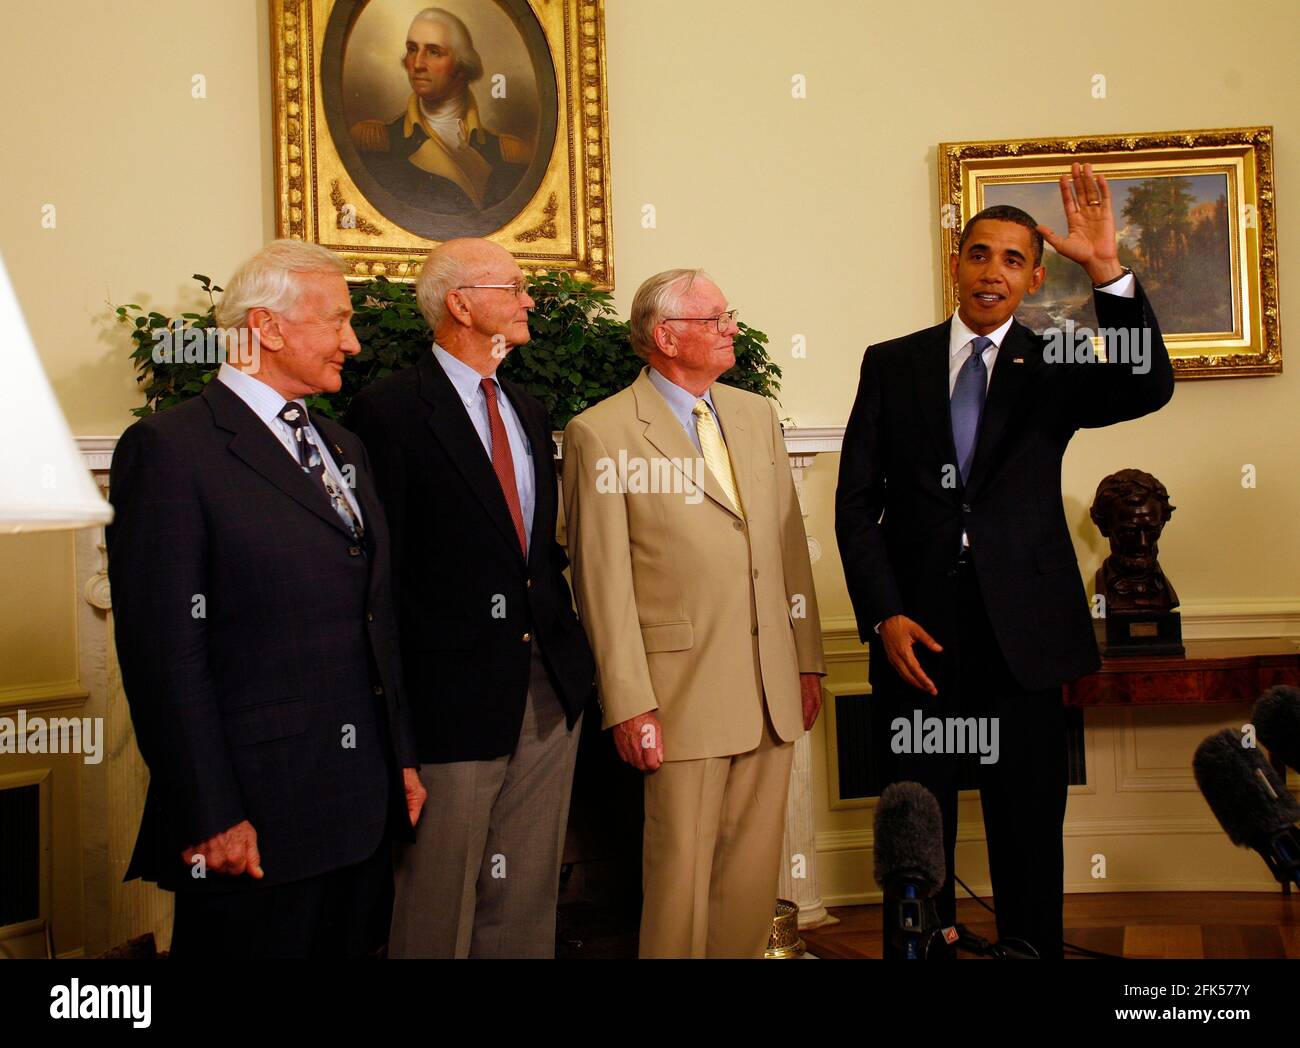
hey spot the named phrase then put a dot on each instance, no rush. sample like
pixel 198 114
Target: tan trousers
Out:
pixel 712 852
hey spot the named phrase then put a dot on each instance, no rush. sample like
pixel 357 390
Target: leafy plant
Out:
pixel 580 352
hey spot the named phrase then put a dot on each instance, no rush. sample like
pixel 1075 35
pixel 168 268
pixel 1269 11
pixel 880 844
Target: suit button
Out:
pixel 738 525
pixel 379 689
pixel 370 616
pixel 755 573
pixel 529 584
pixel 354 551
pixel 526 637
pixel 965 507
pixel 753 631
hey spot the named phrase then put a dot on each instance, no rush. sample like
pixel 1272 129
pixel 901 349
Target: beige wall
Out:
pixel 818 217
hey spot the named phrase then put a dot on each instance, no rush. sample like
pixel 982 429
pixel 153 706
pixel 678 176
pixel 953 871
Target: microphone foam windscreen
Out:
pixel 1277 719
pixel 909 836
pixel 1245 794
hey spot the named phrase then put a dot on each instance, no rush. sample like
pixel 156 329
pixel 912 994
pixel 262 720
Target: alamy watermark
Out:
pixel 1073 344
pixel 946 735
pixel 633 475
pixel 177 344
pixel 83 735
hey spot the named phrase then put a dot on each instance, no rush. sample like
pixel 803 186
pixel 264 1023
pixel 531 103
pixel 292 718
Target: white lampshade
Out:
pixel 44 484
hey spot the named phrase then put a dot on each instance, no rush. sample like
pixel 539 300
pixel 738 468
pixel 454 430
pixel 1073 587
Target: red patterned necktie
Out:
pixel 503 463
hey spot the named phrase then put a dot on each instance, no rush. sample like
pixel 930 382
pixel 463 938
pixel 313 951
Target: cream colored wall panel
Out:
pixel 38 625
pixel 1155 745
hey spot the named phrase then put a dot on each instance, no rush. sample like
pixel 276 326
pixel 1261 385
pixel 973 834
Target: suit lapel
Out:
pixel 666 434
pixel 931 376
pixel 1010 371
pixel 451 424
pixel 258 447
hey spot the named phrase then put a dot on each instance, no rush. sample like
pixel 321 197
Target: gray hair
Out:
pixel 440 274
pixel 267 280
pixel 468 63
pixel 659 297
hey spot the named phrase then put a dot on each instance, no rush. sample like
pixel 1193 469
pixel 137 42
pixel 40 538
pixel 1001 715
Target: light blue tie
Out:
pixel 968 404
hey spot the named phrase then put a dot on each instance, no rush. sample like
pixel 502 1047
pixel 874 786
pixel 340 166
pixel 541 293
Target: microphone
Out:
pixel 1252 805
pixel 1277 720
pixel 909 864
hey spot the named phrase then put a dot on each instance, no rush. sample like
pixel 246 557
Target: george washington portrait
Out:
pixel 445 117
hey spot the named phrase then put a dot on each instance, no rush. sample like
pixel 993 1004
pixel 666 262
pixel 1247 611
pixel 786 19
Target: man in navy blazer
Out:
pixel 955 544
pixel 497 664
pixel 255 628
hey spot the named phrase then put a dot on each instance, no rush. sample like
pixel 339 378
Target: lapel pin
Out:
pixel 338 450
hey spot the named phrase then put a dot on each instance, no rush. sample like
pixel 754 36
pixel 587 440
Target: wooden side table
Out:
pixel 1212 671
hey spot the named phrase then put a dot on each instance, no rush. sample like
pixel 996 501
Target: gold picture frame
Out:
pixel 341 179
pixel 1196 206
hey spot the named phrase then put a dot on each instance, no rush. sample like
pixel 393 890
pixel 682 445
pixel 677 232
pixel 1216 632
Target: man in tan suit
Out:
pixel 691 571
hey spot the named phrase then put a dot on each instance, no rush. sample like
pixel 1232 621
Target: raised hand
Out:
pixel 1091 240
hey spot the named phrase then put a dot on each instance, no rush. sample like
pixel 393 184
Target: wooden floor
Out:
pixel 1156 925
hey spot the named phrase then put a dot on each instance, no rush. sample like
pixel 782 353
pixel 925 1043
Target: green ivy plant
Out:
pixel 580 352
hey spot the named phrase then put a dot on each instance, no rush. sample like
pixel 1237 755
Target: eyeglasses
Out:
pixel 731 316
pixel 519 287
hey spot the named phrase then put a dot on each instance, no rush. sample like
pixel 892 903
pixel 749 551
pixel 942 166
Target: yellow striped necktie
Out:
pixel 715 451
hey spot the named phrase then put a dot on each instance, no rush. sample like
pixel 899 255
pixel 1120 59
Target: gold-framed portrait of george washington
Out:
pixel 401 124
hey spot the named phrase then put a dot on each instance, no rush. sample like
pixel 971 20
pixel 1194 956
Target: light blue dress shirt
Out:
pixel 267 404
pixel 468 385
pixel 682 403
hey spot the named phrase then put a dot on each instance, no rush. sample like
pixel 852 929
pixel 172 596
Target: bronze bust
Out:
pixel 1131 508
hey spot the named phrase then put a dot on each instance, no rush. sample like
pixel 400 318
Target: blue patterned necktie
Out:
pixel 968 404
pixel 312 462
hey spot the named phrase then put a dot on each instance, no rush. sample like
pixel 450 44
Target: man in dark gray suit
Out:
pixel 255 629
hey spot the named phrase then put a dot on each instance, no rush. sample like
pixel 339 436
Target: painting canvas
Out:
pixel 1194 218
pixel 1172 229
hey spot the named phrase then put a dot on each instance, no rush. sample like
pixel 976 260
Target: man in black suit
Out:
pixel 256 632
pixel 954 539
pixel 498 667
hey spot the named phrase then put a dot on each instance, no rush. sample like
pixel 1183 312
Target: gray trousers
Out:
pixel 482 876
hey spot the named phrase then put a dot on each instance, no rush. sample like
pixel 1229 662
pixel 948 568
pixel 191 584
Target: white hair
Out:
pixel 267 280
pixel 468 63
pixel 442 272
pixel 658 297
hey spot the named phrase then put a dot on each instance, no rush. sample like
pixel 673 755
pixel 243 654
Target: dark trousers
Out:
pixel 1022 795
pixel 336 915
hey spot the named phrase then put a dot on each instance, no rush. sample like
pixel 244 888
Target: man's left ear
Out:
pixel 1040 274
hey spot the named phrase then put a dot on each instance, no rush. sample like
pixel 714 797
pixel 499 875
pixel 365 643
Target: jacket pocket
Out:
pixel 281 719
pixel 668 636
